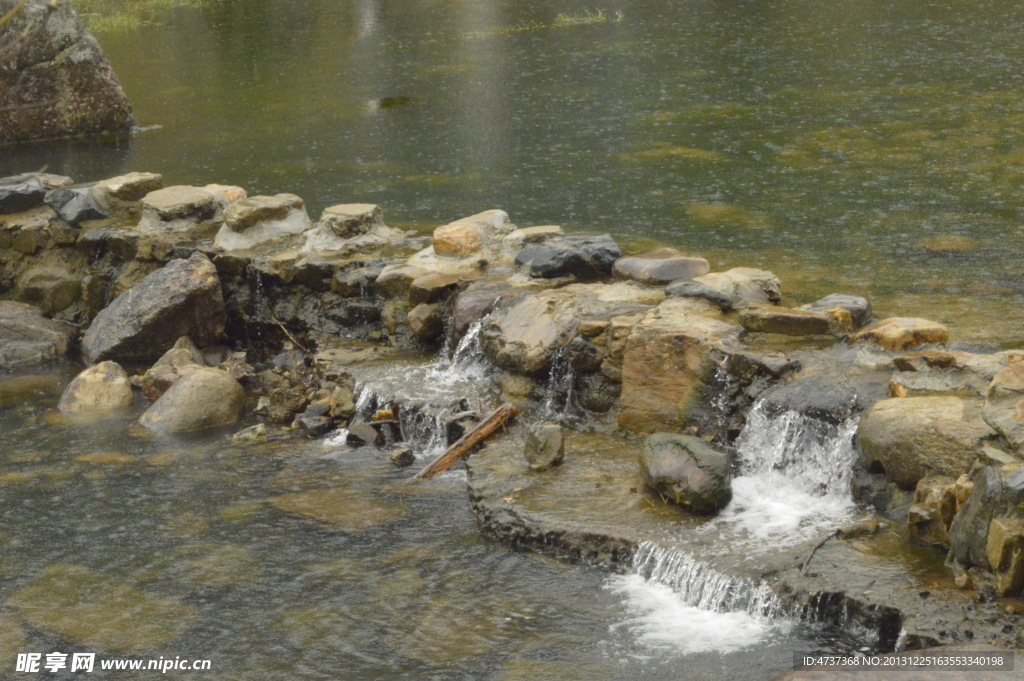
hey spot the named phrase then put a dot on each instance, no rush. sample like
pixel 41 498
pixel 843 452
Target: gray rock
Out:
pixel 817 397
pixel 257 219
pixel 687 471
pixel 20 193
pixel 352 219
pixel 102 387
pixel 74 205
pixel 201 399
pixel 545 446
pixel 52 59
pixel 362 433
pixel 426 322
pixel 27 337
pixel 695 289
pixel 582 256
pixel 475 303
pixel 315 426
pixel 177 209
pixel 181 299
pixel 859 308
pixel 785 321
pixel 402 457
pixel 660 266
pixel 745 286
pixel 122 194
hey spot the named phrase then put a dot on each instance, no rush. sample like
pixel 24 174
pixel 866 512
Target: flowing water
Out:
pixel 865 146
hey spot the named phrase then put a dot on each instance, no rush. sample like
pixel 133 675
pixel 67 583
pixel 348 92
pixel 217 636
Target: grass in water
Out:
pixel 105 16
pixel 582 18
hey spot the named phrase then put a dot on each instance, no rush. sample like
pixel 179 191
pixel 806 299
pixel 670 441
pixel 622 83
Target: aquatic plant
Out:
pixel 107 16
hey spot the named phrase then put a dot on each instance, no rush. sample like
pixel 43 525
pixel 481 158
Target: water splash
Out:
pixel 795 474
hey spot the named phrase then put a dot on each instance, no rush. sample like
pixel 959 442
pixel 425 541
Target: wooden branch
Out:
pixel 807 561
pixel 497 419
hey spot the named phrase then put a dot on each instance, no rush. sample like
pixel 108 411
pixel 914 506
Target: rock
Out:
pixel 745 286
pixel 1004 404
pixel 545 446
pixel 201 399
pixel 459 239
pixel 596 393
pixel 1005 548
pixel 74 206
pixel 341 403
pixel 104 386
pixel 432 288
pixel 948 245
pixel 357 283
pixel 362 433
pixel 395 280
pixel 583 256
pixel 177 209
pixel 226 193
pixel 911 438
pixel 785 321
pixel 859 308
pixel 659 267
pixel 862 528
pixel 315 425
pixel 60 64
pixel 930 515
pixel 20 193
pixel 27 337
pixel 257 219
pixel 355 228
pixel 287 401
pixel 426 322
pixel 181 299
pixel 253 435
pixel 402 457
pixel 512 244
pixel 695 289
pixel 51 288
pixel 341 508
pixel 516 389
pixel 123 194
pixel 948 371
pixel 475 303
pixel 349 220
pixel 176 362
pixel 817 397
pixel 902 333
pixel 665 362
pixel 687 471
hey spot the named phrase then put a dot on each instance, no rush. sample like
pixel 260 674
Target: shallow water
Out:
pixel 869 147
pixel 311 562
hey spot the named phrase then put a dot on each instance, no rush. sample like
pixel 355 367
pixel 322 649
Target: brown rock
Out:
pixel 457 239
pixel 902 333
pixel 932 512
pixel 101 387
pixel 785 321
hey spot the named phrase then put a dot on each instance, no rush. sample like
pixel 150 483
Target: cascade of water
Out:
pixel 558 391
pixel 795 475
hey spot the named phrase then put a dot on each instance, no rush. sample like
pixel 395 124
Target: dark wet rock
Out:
pixel 287 401
pixel 432 288
pixel 817 397
pixel 687 471
pixel 359 282
pixel 512 244
pixel 58 64
pixel 913 437
pixel 785 321
pixel 660 266
pixel 695 289
pixel 459 424
pixel 596 393
pixel 201 399
pixel 474 303
pixel 174 363
pixel 859 308
pixel 394 280
pixel 1004 404
pixel 181 299
pixel 20 193
pixel 745 286
pixel 257 219
pixel 902 333
pixel 124 193
pixel 997 491
pixel 101 387
pixel 27 337
pixel 545 446
pixel 362 433
pixel 932 511
pixel 315 426
pixel 583 356
pixel 50 287
pixel 426 322
pixel 74 205
pixel 177 209
pixel 582 256
pixel 402 457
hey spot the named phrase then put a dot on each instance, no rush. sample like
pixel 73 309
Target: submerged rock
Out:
pixel 583 256
pixel 181 299
pixel 902 333
pixel 911 438
pixel 201 399
pixel 660 266
pixel 27 337
pixel 253 435
pixel 687 471
pixel 340 508
pixel 53 63
pixel 104 386
pixel 402 457
pixel 545 446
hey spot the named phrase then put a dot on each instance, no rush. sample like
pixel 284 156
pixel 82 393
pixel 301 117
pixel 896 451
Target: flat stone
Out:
pixel 27 337
pixel 432 288
pixel 349 220
pixel 257 219
pixel 395 280
pixel 902 333
pixel 699 291
pixel 117 194
pixel 785 321
pixel 176 209
pixel 101 387
pixel 340 508
pixel 660 266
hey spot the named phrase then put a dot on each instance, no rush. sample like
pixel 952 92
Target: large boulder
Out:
pixel 1004 404
pixel 913 437
pixel 660 266
pixel 27 337
pixel 665 362
pixel 102 387
pixel 56 82
pixel 687 471
pixel 181 299
pixel 256 219
pixel 902 333
pixel 578 255
pixel 201 399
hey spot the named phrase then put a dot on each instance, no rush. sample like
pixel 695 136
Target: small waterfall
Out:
pixel 795 474
pixel 558 390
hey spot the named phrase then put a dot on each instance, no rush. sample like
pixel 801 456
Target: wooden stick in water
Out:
pixel 497 419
